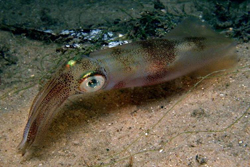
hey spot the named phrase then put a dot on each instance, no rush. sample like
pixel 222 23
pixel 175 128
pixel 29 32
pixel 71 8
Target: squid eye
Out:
pixel 92 83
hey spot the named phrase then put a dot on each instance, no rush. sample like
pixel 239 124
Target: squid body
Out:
pixel 191 46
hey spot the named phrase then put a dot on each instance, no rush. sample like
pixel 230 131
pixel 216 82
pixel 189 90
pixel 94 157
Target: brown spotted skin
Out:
pixel 44 108
pixel 192 46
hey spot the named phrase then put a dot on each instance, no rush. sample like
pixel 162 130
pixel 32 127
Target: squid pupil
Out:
pixel 93 83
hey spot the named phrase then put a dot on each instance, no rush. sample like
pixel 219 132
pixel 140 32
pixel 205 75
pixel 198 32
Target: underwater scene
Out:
pixel 124 83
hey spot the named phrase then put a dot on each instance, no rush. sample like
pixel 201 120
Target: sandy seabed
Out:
pixel 162 125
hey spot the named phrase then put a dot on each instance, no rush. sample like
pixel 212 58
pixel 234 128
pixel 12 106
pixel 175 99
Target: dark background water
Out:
pixel 59 15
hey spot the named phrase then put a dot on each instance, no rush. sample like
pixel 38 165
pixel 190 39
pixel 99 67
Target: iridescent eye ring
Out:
pixel 92 82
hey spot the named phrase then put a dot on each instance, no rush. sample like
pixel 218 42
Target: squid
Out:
pixel 191 47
